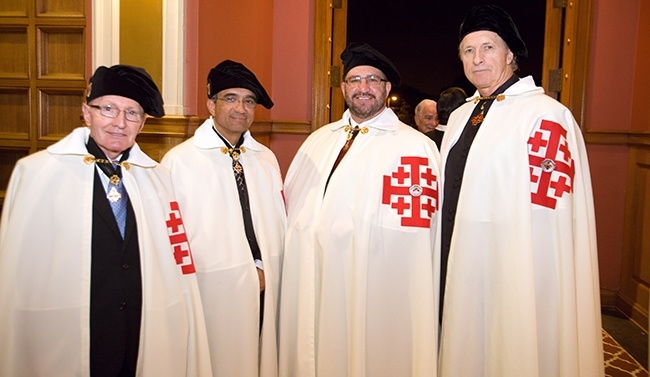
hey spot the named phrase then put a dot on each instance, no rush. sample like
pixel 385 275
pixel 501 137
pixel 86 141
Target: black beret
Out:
pixel 127 81
pixel 357 54
pixel 229 74
pixel 495 19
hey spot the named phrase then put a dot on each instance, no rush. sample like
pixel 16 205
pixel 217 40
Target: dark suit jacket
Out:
pixel 436 136
pixel 115 290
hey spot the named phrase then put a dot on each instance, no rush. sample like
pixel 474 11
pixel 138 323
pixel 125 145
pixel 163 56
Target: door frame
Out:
pixel 566 53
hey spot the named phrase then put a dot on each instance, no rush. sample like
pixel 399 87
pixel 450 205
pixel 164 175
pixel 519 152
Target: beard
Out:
pixel 365 109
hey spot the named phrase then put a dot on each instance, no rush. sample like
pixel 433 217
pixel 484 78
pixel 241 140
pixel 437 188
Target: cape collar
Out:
pixel 206 138
pixel 384 121
pixel 523 87
pixel 75 144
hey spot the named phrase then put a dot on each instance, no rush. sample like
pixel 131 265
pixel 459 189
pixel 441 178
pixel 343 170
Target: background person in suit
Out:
pixel 450 99
pixel 426 116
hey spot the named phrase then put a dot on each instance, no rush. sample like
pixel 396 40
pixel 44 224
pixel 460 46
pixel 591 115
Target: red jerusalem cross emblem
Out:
pixel 178 240
pixel 551 166
pixel 412 192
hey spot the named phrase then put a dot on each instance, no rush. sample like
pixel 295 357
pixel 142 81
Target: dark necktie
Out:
pixel 352 134
pixel 240 179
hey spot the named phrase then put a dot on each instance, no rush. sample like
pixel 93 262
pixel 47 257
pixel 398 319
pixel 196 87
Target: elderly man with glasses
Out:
pixel 95 276
pixel 230 189
pixel 358 283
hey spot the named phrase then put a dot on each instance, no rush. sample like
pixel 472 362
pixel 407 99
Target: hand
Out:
pixel 260 275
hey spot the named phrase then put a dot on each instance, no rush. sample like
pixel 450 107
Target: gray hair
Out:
pixel 422 104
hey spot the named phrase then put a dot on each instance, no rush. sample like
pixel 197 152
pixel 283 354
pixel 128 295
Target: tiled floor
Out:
pixel 627 333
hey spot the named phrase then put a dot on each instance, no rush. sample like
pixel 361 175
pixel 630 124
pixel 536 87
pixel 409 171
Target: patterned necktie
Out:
pixel 352 134
pixel 240 179
pixel 115 192
pixel 117 197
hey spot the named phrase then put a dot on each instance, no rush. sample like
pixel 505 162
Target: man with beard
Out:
pixel 358 285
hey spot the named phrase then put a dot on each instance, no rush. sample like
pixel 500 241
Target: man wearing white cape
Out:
pixel 85 289
pixel 358 284
pixel 517 224
pixel 236 230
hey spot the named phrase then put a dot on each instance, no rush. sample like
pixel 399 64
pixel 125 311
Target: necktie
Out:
pixel 115 192
pixel 117 197
pixel 352 134
pixel 240 179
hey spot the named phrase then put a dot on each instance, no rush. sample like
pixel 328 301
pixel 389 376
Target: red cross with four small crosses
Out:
pixel 178 240
pixel 551 166
pixel 415 193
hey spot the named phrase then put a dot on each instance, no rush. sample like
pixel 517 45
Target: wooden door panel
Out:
pixel 61 53
pixel 60 8
pixel 14 60
pixel 60 112
pixel 14 8
pixel 14 107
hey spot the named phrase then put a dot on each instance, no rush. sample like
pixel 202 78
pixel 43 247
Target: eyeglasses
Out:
pixel 371 80
pixel 112 112
pixel 248 103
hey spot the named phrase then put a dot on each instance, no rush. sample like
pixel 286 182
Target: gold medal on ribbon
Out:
pixel 115 180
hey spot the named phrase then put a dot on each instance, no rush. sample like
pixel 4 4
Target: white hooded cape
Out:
pixel 205 187
pixel 45 240
pixel 522 295
pixel 359 281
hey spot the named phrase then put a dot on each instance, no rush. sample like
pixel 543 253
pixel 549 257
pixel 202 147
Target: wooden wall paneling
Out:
pixel 635 274
pixel 60 8
pixel 42 76
pixel 60 62
pixel 61 53
pixel 14 8
pixel 60 112
pixel 8 158
pixel 159 135
pixel 261 131
pixel 14 107
pixel 291 127
pixel 14 61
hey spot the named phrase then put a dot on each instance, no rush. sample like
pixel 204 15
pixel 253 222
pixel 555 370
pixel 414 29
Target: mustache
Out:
pixel 363 94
